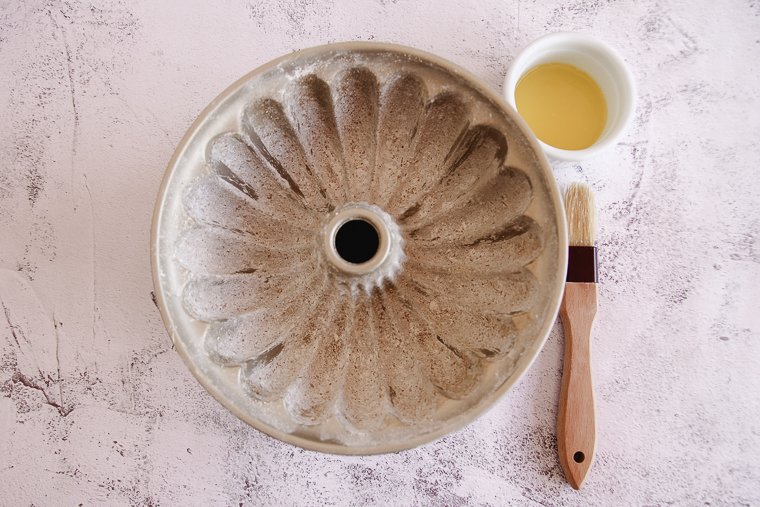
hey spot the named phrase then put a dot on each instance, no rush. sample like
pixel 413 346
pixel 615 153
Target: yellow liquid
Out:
pixel 563 105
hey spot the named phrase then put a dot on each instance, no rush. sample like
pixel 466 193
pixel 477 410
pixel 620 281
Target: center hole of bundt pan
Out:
pixel 361 239
pixel 363 242
pixel 357 241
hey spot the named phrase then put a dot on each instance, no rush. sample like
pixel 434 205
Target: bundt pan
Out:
pixel 357 248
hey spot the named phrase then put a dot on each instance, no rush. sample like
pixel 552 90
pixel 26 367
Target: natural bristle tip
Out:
pixel 581 215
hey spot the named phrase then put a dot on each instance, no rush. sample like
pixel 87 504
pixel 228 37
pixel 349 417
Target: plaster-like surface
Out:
pixel 96 408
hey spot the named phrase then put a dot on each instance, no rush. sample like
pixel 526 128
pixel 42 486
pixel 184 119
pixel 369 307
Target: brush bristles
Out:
pixel 581 215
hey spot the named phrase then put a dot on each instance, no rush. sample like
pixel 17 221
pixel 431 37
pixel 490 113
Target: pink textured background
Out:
pixel 96 408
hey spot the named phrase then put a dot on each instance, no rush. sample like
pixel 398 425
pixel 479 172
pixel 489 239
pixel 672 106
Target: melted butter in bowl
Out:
pixel 563 105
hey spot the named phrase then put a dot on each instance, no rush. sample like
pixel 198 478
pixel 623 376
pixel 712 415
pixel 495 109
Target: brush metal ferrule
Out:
pixel 581 264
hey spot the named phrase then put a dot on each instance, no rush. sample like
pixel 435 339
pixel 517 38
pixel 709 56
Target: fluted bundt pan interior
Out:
pixel 357 248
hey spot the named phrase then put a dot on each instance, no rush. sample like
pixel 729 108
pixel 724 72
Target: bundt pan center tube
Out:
pixel 358 248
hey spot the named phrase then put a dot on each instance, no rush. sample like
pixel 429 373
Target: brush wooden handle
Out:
pixel 576 425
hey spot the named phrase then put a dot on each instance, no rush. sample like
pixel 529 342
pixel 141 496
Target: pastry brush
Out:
pixel 576 426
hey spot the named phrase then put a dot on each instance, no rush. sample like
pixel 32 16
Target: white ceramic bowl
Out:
pixel 597 59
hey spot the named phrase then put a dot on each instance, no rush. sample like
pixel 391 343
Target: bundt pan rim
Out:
pixel 164 298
